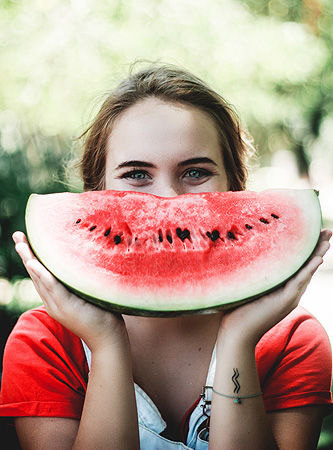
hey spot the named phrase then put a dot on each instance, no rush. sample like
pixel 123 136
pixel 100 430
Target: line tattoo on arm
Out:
pixel 235 381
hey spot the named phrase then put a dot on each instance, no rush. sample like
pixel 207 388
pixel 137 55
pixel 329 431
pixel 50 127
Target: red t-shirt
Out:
pixel 45 370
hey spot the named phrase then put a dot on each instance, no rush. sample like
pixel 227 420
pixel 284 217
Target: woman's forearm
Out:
pixel 109 417
pixel 238 425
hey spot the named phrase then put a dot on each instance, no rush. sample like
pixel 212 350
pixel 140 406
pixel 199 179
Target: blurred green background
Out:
pixel 273 60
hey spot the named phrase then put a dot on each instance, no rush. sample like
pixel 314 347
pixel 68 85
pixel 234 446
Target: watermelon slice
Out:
pixel 145 255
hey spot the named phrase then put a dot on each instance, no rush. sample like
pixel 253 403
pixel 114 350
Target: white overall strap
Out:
pixel 88 355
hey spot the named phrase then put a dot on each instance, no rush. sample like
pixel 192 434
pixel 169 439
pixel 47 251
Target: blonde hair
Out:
pixel 171 84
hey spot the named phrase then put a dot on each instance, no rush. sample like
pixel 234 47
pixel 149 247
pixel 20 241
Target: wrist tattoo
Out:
pixel 235 381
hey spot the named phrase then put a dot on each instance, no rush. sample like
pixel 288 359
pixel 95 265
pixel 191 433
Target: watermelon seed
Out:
pixel 263 220
pixel 275 216
pixel 183 234
pixel 231 235
pixel 213 236
pixel 92 228
pixel 248 227
pixel 78 221
pixel 160 236
pixel 169 237
pixel 117 239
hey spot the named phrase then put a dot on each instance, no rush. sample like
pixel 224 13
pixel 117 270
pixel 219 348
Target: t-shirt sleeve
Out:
pixel 44 369
pixel 294 361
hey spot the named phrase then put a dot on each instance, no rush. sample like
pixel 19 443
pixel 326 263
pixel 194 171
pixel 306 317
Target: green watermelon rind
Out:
pixel 165 313
pixel 186 308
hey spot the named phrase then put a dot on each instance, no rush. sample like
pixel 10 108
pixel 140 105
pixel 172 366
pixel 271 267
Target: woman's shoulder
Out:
pixel 36 322
pixel 35 331
pixel 301 325
pixel 45 371
pixel 294 361
pixel 298 341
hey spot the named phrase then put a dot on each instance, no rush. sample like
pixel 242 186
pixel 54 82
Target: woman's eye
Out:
pixel 196 174
pixel 136 175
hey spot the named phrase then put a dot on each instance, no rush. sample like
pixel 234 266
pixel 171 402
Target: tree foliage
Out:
pixel 314 97
pixel 271 59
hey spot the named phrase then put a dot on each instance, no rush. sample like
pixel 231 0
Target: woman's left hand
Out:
pixel 252 320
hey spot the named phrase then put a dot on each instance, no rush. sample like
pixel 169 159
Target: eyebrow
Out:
pixel 205 160
pixel 187 162
pixel 135 163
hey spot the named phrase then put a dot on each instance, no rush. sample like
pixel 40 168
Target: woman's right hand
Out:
pixel 110 388
pixel 91 323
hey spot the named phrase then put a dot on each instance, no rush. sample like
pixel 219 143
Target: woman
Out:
pixel 111 382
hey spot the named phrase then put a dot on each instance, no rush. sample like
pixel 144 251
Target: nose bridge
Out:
pixel 168 186
pixel 169 191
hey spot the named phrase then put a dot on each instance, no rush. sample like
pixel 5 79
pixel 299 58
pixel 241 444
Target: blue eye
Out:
pixel 194 173
pixel 197 173
pixel 136 175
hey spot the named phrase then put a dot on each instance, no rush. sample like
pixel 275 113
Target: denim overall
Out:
pixel 151 423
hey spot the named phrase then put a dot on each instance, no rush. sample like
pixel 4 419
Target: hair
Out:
pixel 171 84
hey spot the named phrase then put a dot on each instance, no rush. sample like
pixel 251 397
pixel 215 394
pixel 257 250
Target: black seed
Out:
pixel 213 235
pixel 107 232
pixel 231 235
pixel 93 228
pixel 117 239
pixel 169 238
pixel 78 221
pixel 183 234
pixel 275 216
pixel 263 220
pixel 179 232
pixel 160 236
pixel 248 227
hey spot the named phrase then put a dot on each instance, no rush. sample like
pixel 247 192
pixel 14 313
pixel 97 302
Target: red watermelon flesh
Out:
pixel 142 254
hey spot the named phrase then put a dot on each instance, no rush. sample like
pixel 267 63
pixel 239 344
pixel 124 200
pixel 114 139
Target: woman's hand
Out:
pixel 252 320
pixel 92 324
pixel 110 386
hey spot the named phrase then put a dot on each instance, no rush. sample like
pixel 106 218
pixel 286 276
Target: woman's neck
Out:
pixel 174 330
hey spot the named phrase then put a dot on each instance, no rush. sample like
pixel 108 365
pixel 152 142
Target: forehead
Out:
pixel 153 125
